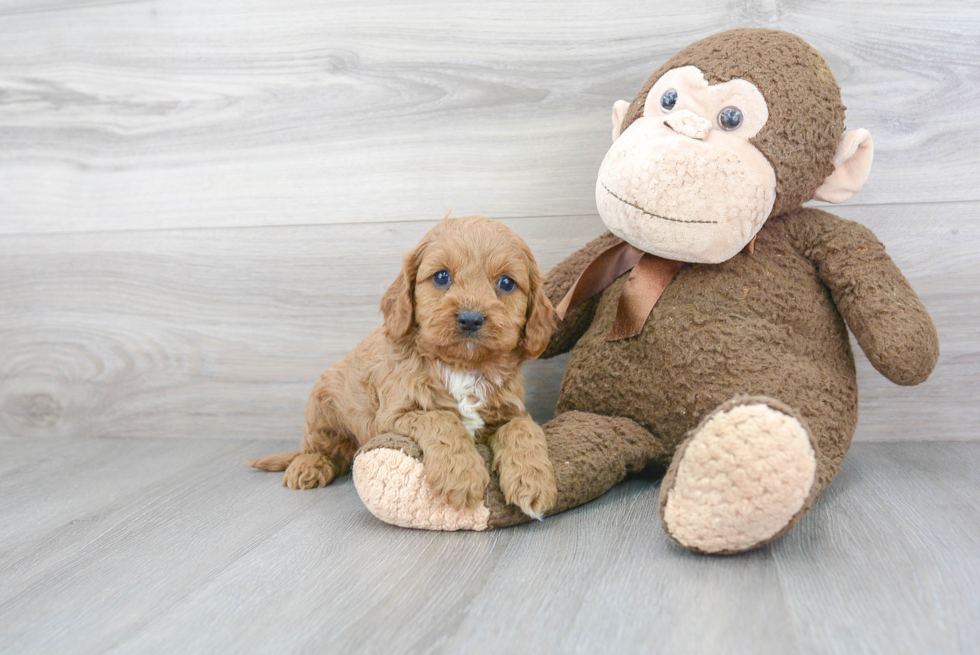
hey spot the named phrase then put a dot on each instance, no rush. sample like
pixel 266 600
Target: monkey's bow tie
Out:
pixel 650 276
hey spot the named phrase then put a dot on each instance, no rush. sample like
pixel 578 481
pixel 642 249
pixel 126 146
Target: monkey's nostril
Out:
pixel 470 321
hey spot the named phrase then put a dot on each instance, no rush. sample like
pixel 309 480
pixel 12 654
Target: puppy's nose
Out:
pixel 469 321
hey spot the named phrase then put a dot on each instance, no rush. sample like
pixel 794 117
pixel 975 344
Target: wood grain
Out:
pixel 222 332
pixel 144 115
pixel 199 332
pixel 117 565
pixel 890 561
pixel 34 497
pixel 200 206
pixel 214 557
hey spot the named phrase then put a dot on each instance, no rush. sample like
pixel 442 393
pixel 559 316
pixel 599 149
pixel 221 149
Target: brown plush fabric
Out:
pixel 394 442
pixel 559 281
pixel 764 324
pixel 769 324
pixel 589 453
pixel 761 324
pixel 800 138
pixel 890 323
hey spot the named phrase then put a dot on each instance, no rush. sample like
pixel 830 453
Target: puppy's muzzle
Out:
pixel 470 322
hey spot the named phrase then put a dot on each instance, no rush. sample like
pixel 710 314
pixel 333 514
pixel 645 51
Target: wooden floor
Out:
pixel 201 204
pixel 174 546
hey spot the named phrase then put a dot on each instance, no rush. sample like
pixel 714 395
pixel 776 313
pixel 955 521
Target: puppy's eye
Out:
pixel 442 279
pixel 505 284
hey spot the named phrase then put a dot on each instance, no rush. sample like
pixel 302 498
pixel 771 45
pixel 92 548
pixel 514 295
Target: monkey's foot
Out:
pixel 390 479
pixel 742 478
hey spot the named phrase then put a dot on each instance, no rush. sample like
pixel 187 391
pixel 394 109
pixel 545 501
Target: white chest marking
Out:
pixel 469 388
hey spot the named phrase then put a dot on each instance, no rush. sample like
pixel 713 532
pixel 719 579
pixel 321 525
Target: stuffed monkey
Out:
pixel 708 328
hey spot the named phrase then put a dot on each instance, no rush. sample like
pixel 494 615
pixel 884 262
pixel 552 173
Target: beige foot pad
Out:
pixel 741 479
pixel 392 486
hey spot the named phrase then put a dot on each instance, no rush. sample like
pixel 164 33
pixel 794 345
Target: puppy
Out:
pixel 444 370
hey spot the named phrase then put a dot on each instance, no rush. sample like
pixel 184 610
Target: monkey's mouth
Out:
pixel 644 211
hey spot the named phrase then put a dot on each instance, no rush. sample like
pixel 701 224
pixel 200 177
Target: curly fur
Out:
pixel 419 375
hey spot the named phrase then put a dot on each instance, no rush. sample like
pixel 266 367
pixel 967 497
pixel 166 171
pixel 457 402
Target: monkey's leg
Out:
pixel 589 453
pixel 743 477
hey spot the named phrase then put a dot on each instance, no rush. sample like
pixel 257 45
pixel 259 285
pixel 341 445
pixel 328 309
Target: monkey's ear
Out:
pixel 619 114
pixel 852 163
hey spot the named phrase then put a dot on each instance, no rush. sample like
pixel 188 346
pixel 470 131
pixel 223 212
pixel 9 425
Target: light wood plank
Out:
pixel 889 562
pixel 82 586
pixel 224 559
pixel 222 332
pixel 219 333
pixel 217 557
pixel 933 245
pixel 35 496
pixel 554 587
pixel 186 114
pixel 616 557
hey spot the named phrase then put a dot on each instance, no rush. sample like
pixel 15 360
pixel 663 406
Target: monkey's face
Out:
pixel 683 181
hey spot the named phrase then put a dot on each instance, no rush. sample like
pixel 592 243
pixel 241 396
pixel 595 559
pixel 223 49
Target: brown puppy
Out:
pixel 444 370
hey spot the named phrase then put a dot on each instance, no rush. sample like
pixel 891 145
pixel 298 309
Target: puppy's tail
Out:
pixel 274 462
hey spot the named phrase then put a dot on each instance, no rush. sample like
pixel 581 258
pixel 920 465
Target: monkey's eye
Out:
pixel 668 99
pixel 442 279
pixel 730 118
pixel 505 284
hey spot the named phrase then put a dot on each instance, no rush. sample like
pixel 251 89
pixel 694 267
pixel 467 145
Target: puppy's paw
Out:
pixel 308 472
pixel 530 486
pixel 460 479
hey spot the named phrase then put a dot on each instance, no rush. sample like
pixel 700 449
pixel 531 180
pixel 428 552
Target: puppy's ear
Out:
pixel 540 321
pixel 398 303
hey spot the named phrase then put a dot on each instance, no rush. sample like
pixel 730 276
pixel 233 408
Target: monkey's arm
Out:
pixel 557 283
pixel 877 302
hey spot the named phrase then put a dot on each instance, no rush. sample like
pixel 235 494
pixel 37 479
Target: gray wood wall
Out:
pixel 201 203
